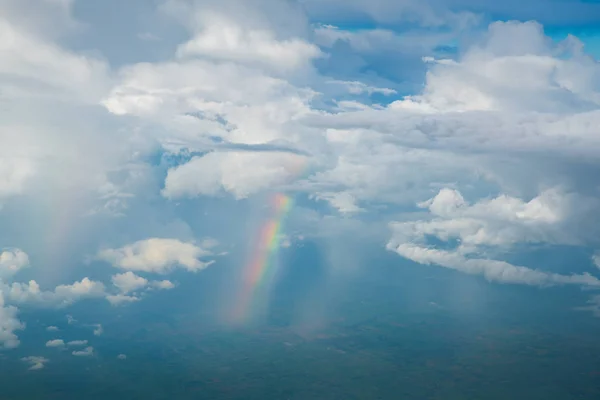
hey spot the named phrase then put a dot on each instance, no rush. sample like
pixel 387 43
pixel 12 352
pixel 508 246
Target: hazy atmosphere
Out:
pixel 299 199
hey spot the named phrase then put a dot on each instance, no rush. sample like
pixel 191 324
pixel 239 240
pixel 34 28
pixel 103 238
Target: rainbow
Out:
pixel 259 272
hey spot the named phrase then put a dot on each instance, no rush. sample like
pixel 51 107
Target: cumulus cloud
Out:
pixel 248 102
pixel 163 285
pixel 9 323
pixel 157 255
pixel 128 282
pixel 220 172
pixel 11 262
pixel 499 223
pixel 122 357
pixel 52 328
pixel 55 343
pixel 36 362
pixel 61 296
pixel 344 202
pixel 87 352
pixel 514 68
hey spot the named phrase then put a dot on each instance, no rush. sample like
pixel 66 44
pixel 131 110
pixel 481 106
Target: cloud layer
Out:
pixel 102 156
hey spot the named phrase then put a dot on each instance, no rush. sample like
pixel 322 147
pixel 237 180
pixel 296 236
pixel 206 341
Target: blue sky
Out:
pixel 143 143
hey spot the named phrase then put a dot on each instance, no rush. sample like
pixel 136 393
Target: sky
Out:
pixel 146 142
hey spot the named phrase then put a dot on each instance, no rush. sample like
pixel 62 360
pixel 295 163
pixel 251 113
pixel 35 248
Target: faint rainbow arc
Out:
pixel 260 271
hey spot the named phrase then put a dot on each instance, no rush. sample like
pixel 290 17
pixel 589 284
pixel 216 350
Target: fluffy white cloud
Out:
pixel 345 202
pixel 163 285
pixel 61 296
pixel 157 255
pixel 128 282
pixel 87 352
pixel 9 323
pixel 52 329
pixel 11 261
pixel 55 343
pixel 36 362
pixel 499 223
pixel 218 172
pixel 239 108
pixel 122 357
pixel 515 68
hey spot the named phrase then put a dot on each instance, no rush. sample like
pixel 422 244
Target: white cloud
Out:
pixel 61 296
pixel 55 343
pixel 119 299
pixel 223 39
pixel 163 285
pixel 492 270
pixel 193 99
pixel 128 282
pixel 344 202
pixel 157 255
pixel 596 260
pixel 98 330
pixel 52 329
pixel 9 323
pixel 221 96
pixel 77 343
pixel 36 362
pixel 499 223
pixel 515 68
pixel 217 172
pixel 513 114
pixel 122 357
pixel 87 352
pixel 11 262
